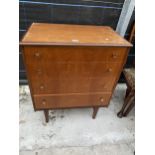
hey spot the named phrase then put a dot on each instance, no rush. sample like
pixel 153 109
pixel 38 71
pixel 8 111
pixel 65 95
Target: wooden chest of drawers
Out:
pixel 72 65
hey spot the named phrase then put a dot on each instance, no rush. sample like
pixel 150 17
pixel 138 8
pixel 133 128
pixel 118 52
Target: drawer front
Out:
pixel 46 54
pixel 71 100
pixel 74 70
pixel 81 85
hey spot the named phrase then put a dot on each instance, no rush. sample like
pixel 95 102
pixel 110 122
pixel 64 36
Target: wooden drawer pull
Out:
pixel 37 54
pixel 41 87
pixel 109 70
pixel 39 72
pixel 115 56
pixel 102 99
pixel 44 102
pixel 104 86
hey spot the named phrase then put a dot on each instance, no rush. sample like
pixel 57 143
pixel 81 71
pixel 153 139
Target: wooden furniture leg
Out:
pixel 95 110
pixel 129 107
pixel 120 113
pixel 126 102
pixel 127 91
pixel 46 115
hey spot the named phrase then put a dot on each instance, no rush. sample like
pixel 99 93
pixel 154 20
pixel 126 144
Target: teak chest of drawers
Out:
pixel 72 65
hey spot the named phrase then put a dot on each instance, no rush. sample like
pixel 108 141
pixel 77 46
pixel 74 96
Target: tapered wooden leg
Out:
pixel 46 115
pixel 95 110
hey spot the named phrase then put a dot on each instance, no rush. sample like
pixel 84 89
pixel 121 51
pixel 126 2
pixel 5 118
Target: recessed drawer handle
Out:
pixel 44 102
pixel 37 54
pixel 102 99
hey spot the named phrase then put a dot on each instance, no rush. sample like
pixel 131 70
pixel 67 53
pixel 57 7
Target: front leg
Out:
pixel 46 115
pixel 95 110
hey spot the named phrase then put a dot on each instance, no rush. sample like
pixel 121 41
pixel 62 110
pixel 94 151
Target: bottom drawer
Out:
pixel 71 100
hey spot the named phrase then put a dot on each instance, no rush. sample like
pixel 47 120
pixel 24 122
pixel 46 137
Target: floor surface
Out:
pixel 74 132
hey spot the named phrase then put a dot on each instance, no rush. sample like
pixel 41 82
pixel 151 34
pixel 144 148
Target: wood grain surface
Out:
pixel 66 34
pixel 66 73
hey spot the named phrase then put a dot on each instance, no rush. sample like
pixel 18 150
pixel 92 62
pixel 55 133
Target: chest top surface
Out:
pixel 66 34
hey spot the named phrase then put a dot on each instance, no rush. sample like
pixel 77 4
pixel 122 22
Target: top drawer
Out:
pixel 43 54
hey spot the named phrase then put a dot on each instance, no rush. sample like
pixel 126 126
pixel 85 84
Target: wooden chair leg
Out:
pixel 120 113
pixel 46 115
pixel 127 91
pixel 126 102
pixel 95 110
pixel 129 108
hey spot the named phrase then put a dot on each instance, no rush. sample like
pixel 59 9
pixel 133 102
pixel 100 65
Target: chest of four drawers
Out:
pixel 72 66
